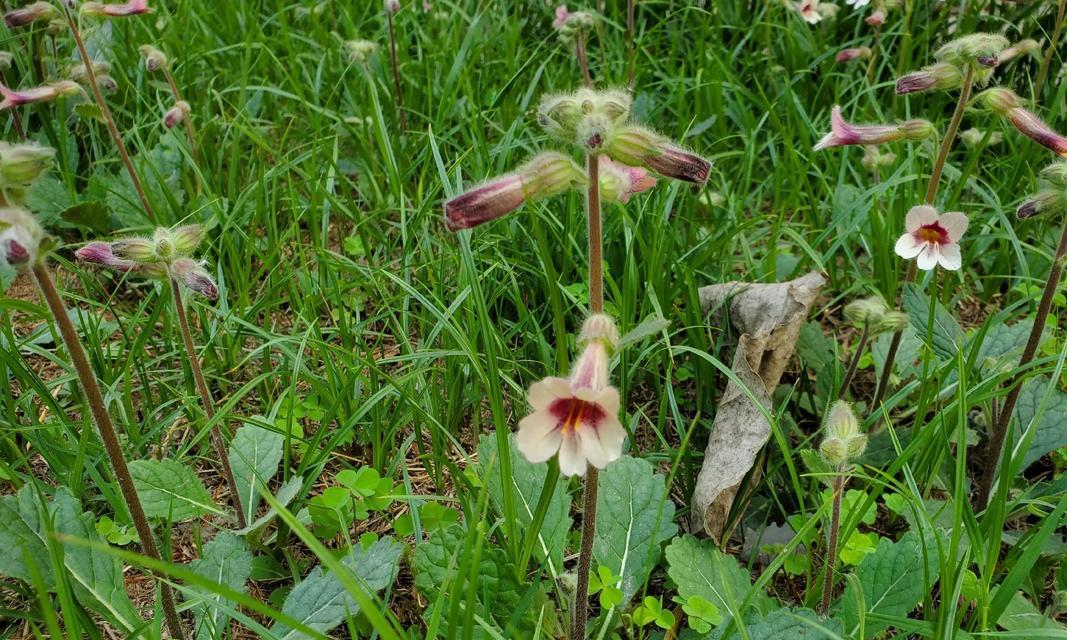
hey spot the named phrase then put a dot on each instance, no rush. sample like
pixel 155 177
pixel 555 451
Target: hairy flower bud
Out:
pixel 973 137
pixel 176 114
pixel 391 6
pixel 192 275
pixel 360 51
pixel 37 94
pixel 1008 104
pixel 569 23
pixel 977 50
pixel 599 327
pixel 154 59
pixel 6 60
pixel 866 311
pixel 30 14
pixel 855 53
pixel 22 164
pixel 1026 47
pixel 141 250
pixel 893 321
pixel 115 10
pixel 937 77
pixel 618 182
pixel 843 132
pixel 20 237
pixel 545 175
pixel 585 117
pixel 103 254
pixel 843 440
pixel 875 159
pixel 640 147
pixel 1052 196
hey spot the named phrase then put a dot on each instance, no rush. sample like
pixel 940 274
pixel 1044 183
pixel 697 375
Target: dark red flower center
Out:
pixel 570 413
pixel 932 233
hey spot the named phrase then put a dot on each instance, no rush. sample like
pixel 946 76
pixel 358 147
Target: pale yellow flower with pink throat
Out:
pixel 932 239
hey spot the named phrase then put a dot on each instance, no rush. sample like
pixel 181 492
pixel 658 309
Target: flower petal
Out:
pixel 538 438
pixel 918 216
pixel 949 257
pixel 612 436
pixel 592 448
pixel 571 457
pixel 928 257
pixel 955 224
pixel 908 247
pixel 543 392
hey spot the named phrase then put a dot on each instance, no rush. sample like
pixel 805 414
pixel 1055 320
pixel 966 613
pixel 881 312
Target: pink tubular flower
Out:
pixel 640 147
pixel 855 53
pixel 37 94
pixel 193 276
pixel 876 18
pixel 1006 103
pixel 932 238
pixel 577 417
pixel 937 77
pixel 103 254
pixel 845 133
pixel 176 114
pixel 545 175
pixel 123 10
pixel 619 181
pixel 561 16
pixel 30 14
pixel 809 10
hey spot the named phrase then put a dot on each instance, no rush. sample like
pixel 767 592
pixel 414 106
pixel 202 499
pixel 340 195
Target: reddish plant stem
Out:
pixel 217 440
pixel 105 111
pixel 583 59
pixel 592 474
pixel 1000 429
pixel 854 362
pixel 108 435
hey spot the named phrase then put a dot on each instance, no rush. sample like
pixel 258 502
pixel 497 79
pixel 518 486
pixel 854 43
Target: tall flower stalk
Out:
pixel 166 256
pixel 842 443
pixel 24 244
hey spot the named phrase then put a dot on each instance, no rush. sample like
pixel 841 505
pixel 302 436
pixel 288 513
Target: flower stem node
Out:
pixel 599 327
pixel 579 117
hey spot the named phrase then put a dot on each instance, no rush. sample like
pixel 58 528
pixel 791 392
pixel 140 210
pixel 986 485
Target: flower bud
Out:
pixel 186 238
pixel 30 14
pixel 1000 100
pixel 101 253
pixel 1042 202
pixel 843 132
pixel 545 175
pixel 154 59
pixel 937 77
pixel 856 53
pixel 6 60
pixel 20 237
pixel 22 164
pixel 391 6
pixel 876 19
pixel 194 277
pixel 559 116
pixel 360 51
pixel 1009 105
pixel 640 147
pixel 977 50
pixel 164 245
pixel 918 129
pixel 893 321
pixel 1026 47
pixel 866 311
pixel 834 451
pixel 37 94
pixel 599 327
pixel 874 158
pixel 79 73
pixel 973 137
pixel 140 250
pixel 1055 175
pixel 176 114
pixel 841 421
pixel 618 181
pixel 115 10
pixel 569 23
pixel 843 440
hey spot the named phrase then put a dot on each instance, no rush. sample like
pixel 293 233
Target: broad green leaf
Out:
pixel 286 493
pixel 1022 615
pixel 701 570
pixel 254 456
pixel 634 517
pixel 95 576
pixel 893 580
pixel 1048 418
pixel 947 333
pixel 321 602
pixel 527 481
pixel 91 215
pixel 170 490
pixel 789 624
pixel 1004 343
pixel 226 561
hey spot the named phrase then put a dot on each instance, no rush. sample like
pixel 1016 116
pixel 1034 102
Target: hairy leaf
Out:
pixel 168 489
pixel 226 561
pixel 254 455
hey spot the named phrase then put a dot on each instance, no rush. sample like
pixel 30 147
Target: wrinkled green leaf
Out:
pixel 226 561
pixel 321 602
pixel 170 490
pixel 701 570
pixel 947 333
pixel 634 517
pixel 789 624
pixel 1049 418
pixel 254 455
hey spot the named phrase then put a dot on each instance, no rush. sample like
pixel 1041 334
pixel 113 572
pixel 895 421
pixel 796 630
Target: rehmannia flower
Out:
pixel 194 277
pixel 154 59
pixel 43 93
pixel 1021 48
pixel 545 175
pixel 568 23
pixel 876 19
pixel 932 238
pixel 30 14
pixel 843 441
pixel 1008 104
pixel 843 132
pixel 977 50
pixel 166 254
pixel 565 116
pixel 360 51
pixel 391 6
pixel 618 182
pixel 937 77
pixel 857 4
pixel 103 254
pixel 1052 197
pixel 810 10
pixel 640 147
pixel 176 114
pixel 115 10
pixel 854 53
pixel 577 416
pixel 20 237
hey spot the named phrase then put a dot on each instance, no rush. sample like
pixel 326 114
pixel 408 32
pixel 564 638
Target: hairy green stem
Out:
pixel 217 440
pixel 1003 419
pixel 109 120
pixel 931 194
pixel 592 474
pixel 831 548
pixel 1046 62
pixel 108 435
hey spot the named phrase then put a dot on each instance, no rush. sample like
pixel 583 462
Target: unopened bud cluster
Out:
pixel 843 441
pixel 874 314
pixel 976 54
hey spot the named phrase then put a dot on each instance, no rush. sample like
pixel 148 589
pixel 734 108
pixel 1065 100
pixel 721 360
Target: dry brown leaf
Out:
pixel 769 317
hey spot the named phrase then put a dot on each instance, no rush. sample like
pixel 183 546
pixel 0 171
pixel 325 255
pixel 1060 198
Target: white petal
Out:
pixel 918 216
pixel 955 224
pixel 571 458
pixel 538 438
pixel 608 399
pixel 949 257
pixel 612 435
pixel 908 247
pixel 591 447
pixel 544 392
pixel 928 257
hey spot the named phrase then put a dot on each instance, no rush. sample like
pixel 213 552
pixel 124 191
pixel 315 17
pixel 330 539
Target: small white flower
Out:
pixel 932 238
pixel 809 10
pixel 857 3
pixel 577 417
